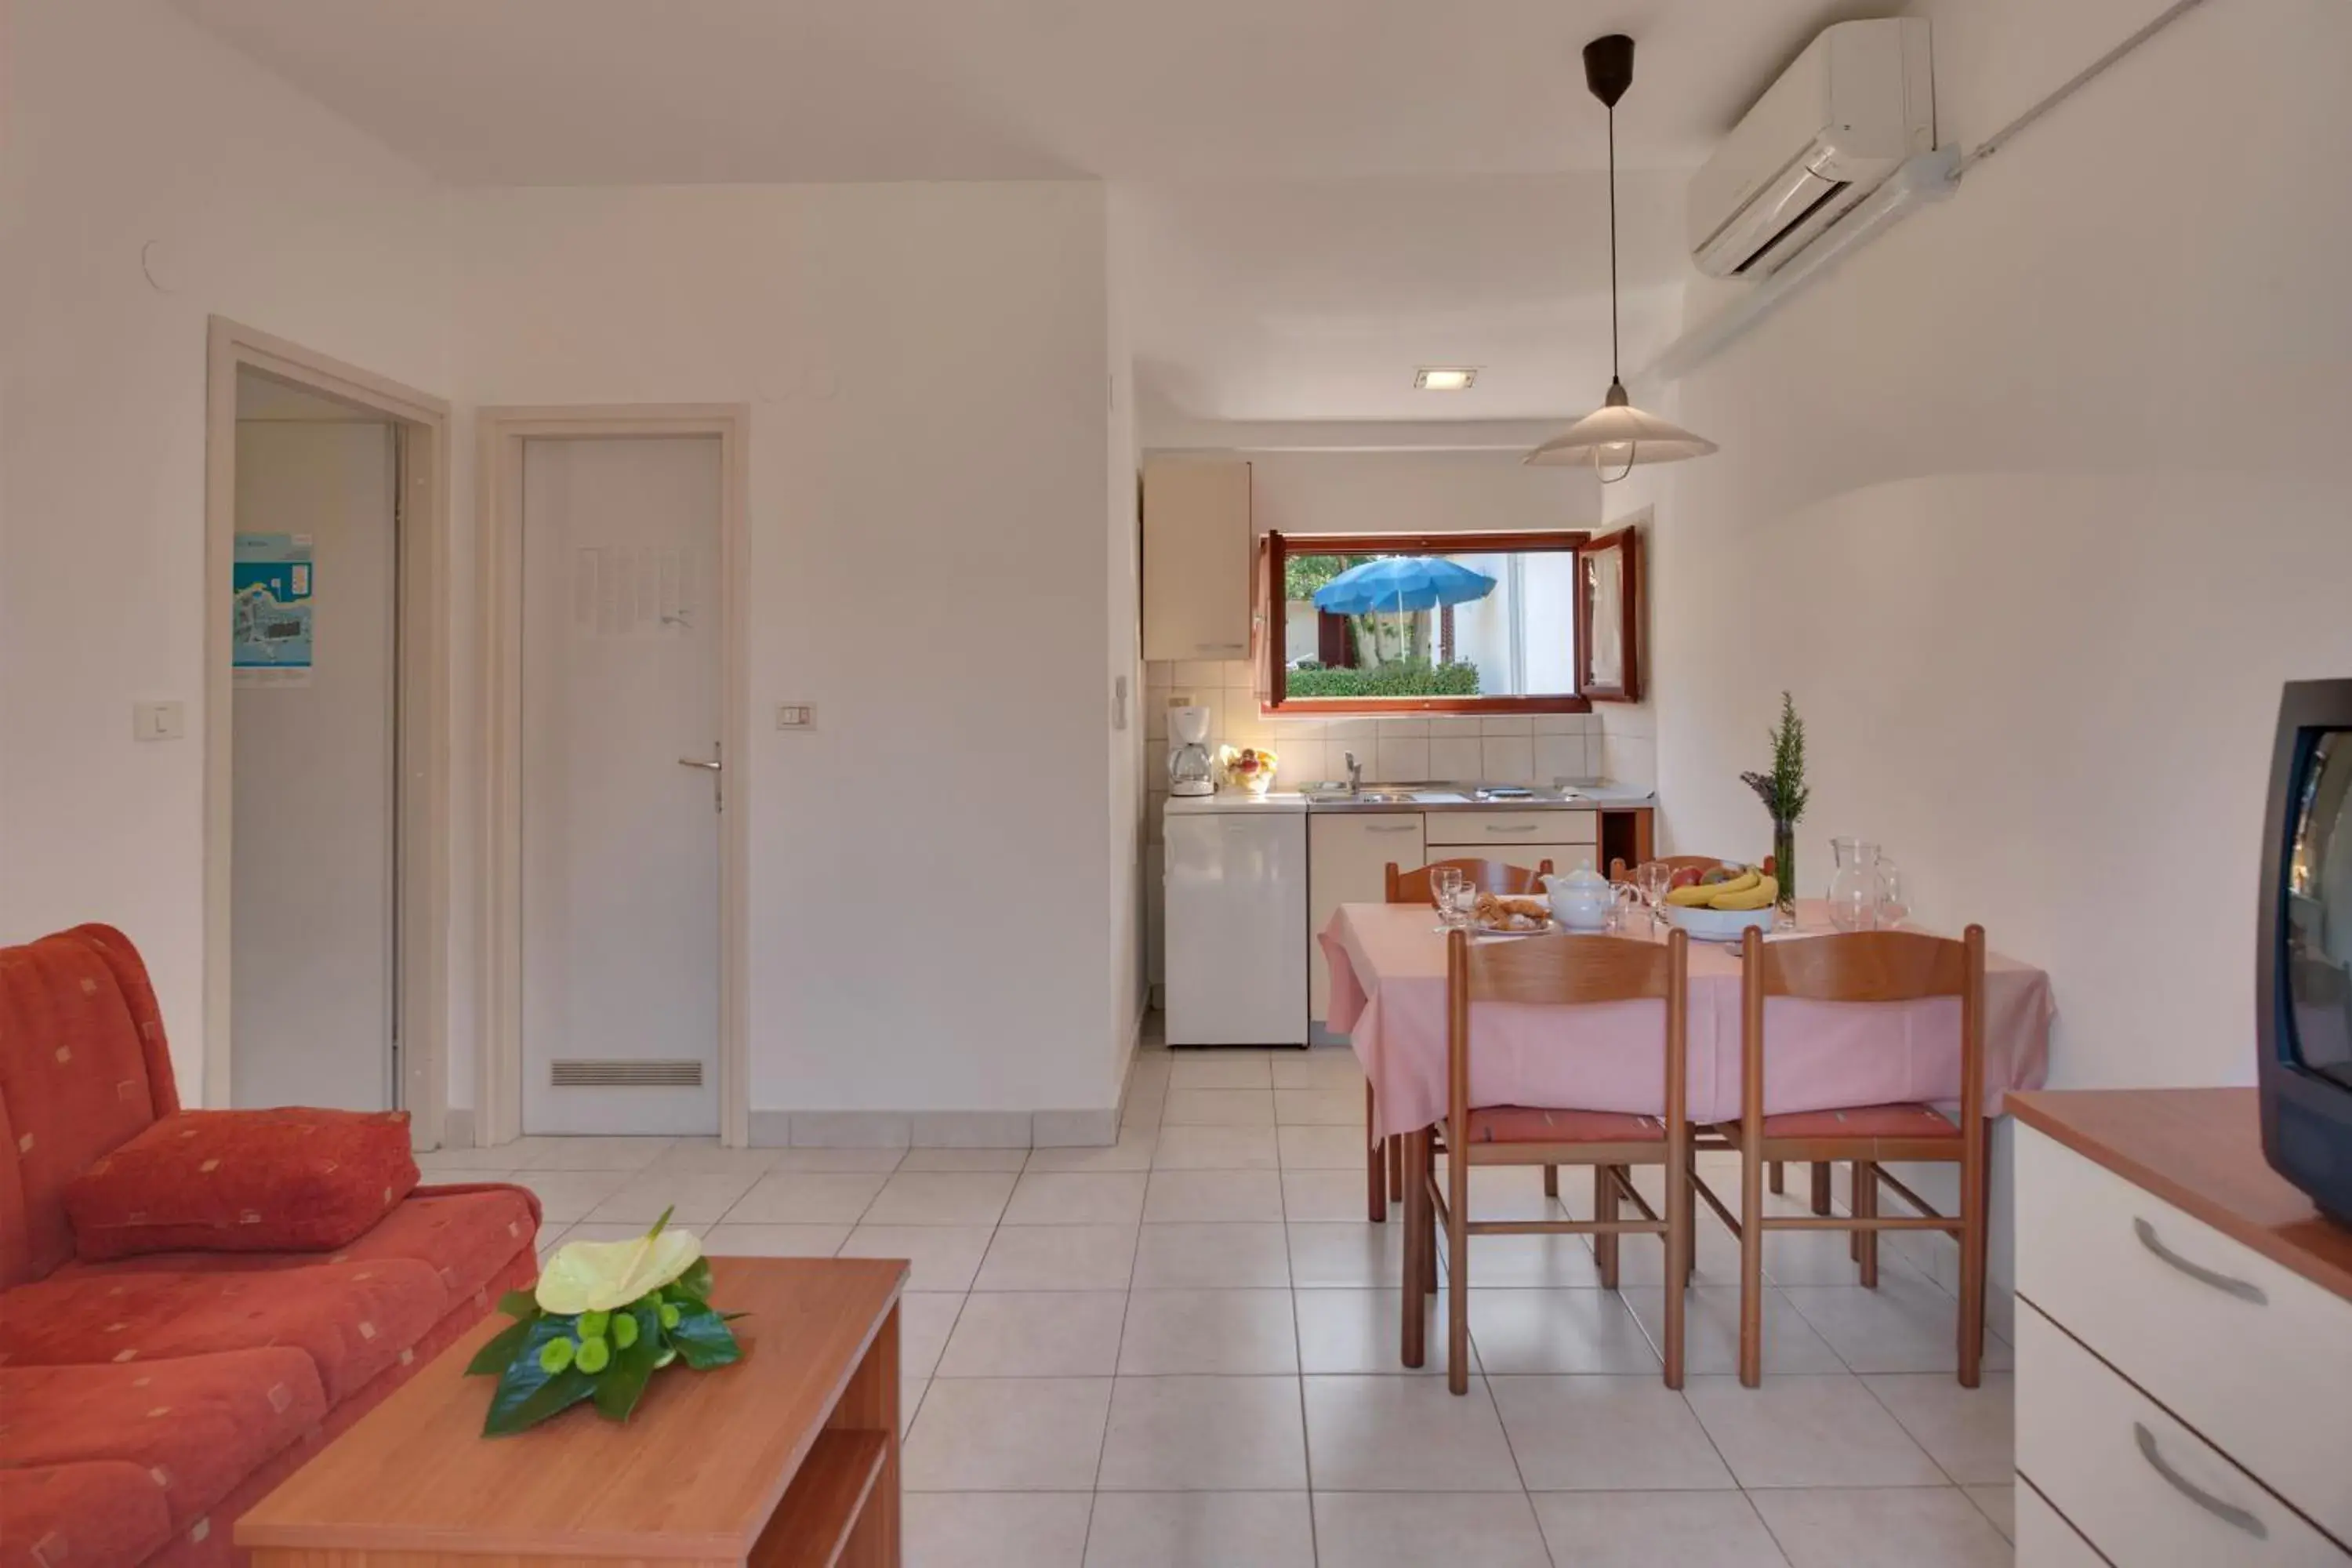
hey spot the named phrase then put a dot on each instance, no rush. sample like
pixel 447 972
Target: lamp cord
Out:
pixel 1612 243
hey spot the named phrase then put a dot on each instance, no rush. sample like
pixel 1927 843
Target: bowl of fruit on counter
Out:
pixel 1721 902
pixel 1248 768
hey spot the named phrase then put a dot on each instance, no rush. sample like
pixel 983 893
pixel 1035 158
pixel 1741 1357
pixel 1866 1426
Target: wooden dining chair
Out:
pixel 1384 1163
pixel 1882 966
pixel 1549 971
pixel 1488 876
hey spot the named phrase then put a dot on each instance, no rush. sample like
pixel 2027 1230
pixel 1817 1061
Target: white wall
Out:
pixel 2034 504
pixel 125 124
pixel 928 476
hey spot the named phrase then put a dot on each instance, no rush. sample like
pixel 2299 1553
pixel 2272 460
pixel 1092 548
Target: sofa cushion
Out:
pixel 101 1512
pixel 466 1233
pixel 352 1318
pixel 194 1426
pixel 294 1180
pixel 83 1068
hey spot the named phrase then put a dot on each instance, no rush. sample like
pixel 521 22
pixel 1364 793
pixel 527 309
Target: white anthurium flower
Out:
pixel 601 1276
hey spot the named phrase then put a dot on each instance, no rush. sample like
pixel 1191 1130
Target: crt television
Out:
pixel 2304 965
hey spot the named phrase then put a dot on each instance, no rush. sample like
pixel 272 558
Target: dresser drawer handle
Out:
pixel 2243 1289
pixel 2228 1514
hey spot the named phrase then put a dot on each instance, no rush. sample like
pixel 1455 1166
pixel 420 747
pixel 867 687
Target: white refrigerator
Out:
pixel 1236 926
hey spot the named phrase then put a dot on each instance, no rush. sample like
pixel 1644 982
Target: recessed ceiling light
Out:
pixel 1445 378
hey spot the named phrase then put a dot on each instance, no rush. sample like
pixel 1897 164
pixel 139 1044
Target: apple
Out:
pixel 1685 876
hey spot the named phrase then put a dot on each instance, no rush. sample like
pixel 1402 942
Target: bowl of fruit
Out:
pixel 1721 902
pixel 1248 768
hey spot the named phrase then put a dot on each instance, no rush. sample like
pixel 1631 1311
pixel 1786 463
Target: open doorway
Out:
pixel 326 794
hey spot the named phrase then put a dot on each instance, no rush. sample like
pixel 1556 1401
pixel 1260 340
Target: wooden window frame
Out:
pixel 1626 542
pixel 1275 549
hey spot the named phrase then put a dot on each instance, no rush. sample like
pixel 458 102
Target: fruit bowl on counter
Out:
pixel 1248 768
pixel 1722 903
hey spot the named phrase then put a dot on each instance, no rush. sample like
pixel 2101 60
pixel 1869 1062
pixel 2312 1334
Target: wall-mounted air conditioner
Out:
pixel 1858 103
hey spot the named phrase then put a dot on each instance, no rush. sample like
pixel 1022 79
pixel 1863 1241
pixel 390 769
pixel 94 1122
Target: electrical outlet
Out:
pixel 796 716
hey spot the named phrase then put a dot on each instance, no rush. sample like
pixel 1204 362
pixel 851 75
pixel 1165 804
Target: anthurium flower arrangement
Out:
pixel 605 1316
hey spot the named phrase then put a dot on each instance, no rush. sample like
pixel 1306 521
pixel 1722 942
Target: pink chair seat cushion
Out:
pixel 1859 1122
pixel 1534 1124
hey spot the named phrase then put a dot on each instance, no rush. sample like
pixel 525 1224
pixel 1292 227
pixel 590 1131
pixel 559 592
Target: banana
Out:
pixel 1692 896
pixel 1766 891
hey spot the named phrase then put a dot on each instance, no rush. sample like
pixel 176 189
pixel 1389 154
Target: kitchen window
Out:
pixel 1460 623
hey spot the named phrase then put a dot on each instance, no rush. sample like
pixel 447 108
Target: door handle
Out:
pixel 715 765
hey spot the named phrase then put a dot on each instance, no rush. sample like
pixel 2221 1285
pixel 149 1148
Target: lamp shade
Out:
pixel 1620 436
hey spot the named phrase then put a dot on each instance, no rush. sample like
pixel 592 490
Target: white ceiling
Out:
pixel 1314 196
pixel 633 92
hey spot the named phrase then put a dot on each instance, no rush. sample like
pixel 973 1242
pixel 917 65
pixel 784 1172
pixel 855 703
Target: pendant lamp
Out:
pixel 1618 436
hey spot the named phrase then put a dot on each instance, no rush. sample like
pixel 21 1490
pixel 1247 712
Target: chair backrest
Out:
pixel 1620 871
pixel 1490 876
pixel 1567 971
pixel 84 1068
pixel 1864 966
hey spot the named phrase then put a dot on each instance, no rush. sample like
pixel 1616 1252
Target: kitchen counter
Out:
pixel 1575 798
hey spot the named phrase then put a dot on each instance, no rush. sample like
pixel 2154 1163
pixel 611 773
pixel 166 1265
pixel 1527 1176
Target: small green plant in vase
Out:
pixel 1784 793
pixel 604 1317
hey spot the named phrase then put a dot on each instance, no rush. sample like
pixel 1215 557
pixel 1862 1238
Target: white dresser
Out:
pixel 2184 1340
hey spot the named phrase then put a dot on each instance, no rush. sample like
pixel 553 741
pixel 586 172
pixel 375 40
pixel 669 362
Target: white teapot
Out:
pixel 1583 899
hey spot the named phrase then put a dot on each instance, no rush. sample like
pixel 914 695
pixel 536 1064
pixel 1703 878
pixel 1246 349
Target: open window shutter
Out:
pixel 1266 630
pixel 1610 606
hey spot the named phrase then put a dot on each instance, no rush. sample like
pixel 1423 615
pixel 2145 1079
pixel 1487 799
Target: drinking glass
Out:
pixel 1464 894
pixel 1893 907
pixel 1854 886
pixel 1651 879
pixel 1444 891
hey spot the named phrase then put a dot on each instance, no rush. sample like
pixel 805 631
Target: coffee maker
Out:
pixel 1191 772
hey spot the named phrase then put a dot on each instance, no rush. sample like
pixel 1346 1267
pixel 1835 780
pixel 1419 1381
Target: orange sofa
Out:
pixel 146 1402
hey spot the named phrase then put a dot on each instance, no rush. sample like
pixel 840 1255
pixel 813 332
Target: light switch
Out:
pixel 796 716
pixel 158 720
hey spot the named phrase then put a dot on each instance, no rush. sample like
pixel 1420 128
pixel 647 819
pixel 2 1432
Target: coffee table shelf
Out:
pixel 818 1521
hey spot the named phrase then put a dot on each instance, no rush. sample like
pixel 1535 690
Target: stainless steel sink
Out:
pixel 1429 792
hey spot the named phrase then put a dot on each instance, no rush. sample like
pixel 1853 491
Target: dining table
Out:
pixel 1388 997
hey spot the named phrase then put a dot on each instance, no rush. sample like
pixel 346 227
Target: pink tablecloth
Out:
pixel 1388 995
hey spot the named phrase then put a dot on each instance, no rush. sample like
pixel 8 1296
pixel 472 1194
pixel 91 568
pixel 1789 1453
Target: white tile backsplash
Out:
pixel 1560 757
pixel 1450 758
pixel 1507 759
pixel 1399 757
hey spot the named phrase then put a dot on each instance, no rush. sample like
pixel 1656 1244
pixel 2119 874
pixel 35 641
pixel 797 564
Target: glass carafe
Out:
pixel 1858 887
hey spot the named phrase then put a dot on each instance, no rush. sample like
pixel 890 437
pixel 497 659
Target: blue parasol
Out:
pixel 1401 583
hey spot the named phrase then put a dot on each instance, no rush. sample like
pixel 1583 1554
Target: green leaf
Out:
pixel 498 1349
pixel 703 1338
pixel 519 1304
pixel 662 1224
pixel 694 1285
pixel 636 1355
pixel 528 1393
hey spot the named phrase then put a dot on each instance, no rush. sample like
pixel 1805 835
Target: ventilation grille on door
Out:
pixel 628 1074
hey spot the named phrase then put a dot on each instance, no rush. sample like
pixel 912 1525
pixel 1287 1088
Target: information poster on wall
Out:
pixel 270 630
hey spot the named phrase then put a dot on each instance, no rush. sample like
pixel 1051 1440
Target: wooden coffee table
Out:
pixel 788 1457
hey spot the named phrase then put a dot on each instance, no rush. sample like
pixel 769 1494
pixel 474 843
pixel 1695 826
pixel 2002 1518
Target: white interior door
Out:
pixel 312 968
pixel 621 695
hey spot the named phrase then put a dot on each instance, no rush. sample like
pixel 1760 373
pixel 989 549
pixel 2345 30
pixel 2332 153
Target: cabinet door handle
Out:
pixel 1218 647
pixel 2244 1290
pixel 1524 828
pixel 2228 1514
pixel 1397 827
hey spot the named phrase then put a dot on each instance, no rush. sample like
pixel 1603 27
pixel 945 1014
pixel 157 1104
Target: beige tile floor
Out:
pixel 1181 1353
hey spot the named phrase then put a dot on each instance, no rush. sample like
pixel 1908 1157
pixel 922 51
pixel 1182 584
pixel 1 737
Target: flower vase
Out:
pixel 1784 870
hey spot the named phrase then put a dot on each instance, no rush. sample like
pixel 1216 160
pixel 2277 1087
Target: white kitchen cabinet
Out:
pixel 1197 545
pixel 1348 858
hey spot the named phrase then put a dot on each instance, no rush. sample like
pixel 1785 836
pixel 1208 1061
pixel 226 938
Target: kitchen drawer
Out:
pixel 2251 1354
pixel 2045 1539
pixel 2141 1487
pixel 1502 829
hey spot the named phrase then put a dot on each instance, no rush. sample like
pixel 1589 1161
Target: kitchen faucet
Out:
pixel 1355 773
